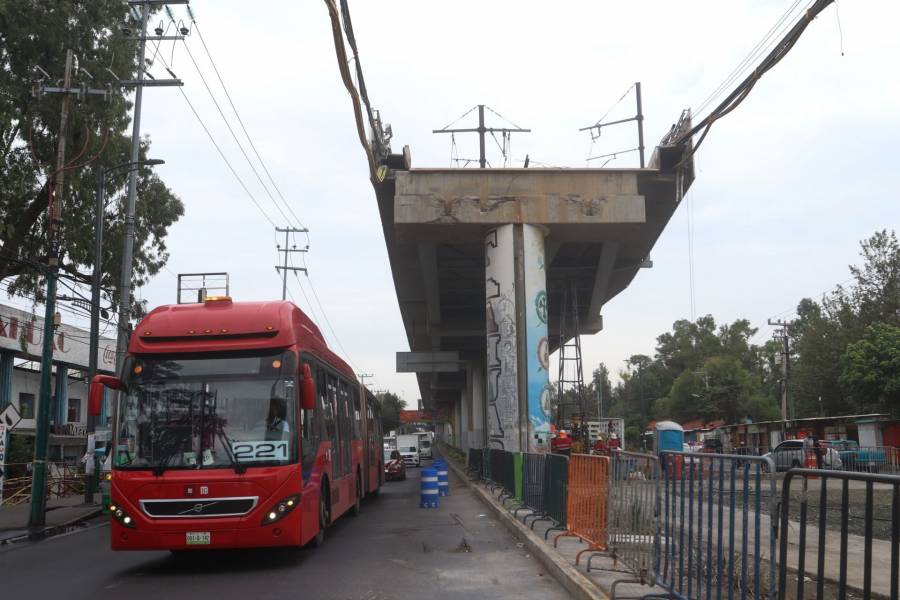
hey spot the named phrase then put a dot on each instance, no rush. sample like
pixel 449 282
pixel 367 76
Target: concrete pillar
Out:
pixel 6 378
pixel 465 404
pixel 518 379
pixel 476 395
pixel 457 429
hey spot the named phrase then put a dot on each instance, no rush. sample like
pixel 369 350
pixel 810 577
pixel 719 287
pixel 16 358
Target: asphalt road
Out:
pixel 392 551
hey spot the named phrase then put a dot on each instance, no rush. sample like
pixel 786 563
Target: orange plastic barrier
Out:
pixel 587 502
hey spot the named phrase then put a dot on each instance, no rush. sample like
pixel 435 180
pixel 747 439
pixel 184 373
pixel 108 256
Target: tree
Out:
pixel 97 138
pixel 871 369
pixel 391 407
pixel 824 333
pixel 876 295
pixel 600 390
pixel 721 389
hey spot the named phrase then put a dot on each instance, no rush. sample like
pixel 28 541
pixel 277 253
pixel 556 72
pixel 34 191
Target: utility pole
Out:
pixel 287 231
pixel 638 118
pixel 81 92
pixel 363 377
pixel 42 430
pixel 784 335
pixel 481 130
pixel 600 400
pixel 128 242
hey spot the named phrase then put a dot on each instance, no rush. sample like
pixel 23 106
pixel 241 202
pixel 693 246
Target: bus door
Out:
pixel 346 428
pixel 328 395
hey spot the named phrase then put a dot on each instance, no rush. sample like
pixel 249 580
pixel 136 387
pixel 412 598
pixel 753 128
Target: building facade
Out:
pixel 20 353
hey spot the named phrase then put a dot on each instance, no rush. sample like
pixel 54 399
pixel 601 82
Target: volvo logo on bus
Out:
pixel 198 508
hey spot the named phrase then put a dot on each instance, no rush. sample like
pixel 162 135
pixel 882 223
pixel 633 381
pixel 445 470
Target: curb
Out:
pixel 52 530
pixel 573 580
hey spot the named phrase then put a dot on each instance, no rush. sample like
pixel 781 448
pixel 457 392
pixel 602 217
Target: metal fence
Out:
pixel 555 492
pixel 63 480
pixel 586 502
pixel 715 539
pixel 532 486
pixel 870 459
pixel 473 465
pixel 633 515
pixel 486 464
pixel 802 542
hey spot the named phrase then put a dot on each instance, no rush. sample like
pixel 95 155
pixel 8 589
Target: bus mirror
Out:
pixel 307 389
pixel 95 394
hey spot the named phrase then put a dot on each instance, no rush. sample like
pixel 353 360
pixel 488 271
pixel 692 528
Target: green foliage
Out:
pixel 391 406
pixel 843 346
pixel 98 135
pixel 871 369
pixel 844 351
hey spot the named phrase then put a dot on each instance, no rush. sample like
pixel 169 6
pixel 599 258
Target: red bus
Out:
pixel 235 426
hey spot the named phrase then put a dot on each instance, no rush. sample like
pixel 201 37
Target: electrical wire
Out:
pixel 240 121
pixel 689 217
pixel 234 135
pixel 297 222
pixel 219 149
pixel 334 335
pixel 734 99
pixel 746 61
pixel 502 117
pixel 458 119
pixel 342 61
pixel 614 105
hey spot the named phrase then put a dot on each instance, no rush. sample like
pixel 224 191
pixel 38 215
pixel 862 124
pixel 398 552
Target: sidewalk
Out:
pixel 61 512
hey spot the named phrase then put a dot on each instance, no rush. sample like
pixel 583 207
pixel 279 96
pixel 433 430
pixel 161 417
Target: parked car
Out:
pixel 855 458
pixel 712 445
pixel 394 468
pixel 790 454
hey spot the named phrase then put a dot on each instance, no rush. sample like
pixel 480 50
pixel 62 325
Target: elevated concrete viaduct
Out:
pixel 479 258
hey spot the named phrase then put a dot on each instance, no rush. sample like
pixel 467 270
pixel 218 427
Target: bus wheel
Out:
pixel 357 506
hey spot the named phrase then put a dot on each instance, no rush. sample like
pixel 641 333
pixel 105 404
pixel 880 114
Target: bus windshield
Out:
pixel 190 412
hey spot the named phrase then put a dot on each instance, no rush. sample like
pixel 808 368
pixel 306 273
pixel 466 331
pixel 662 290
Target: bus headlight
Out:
pixel 281 509
pixel 121 516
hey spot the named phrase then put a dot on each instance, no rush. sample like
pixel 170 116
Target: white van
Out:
pixel 408 445
pixel 425 444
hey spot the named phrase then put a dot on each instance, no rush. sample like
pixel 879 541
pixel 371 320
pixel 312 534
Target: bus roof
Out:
pixel 223 325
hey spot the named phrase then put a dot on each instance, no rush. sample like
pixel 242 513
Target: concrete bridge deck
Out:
pixel 590 230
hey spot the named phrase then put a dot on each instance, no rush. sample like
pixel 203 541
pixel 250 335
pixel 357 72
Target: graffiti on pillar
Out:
pixel 536 340
pixel 502 369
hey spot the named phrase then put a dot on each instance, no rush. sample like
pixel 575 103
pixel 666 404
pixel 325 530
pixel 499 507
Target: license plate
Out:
pixel 197 538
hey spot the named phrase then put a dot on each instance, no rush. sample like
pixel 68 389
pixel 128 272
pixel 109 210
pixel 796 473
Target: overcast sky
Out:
pixel 786 185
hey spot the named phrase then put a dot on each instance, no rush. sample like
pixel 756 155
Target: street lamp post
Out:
pixel 99 210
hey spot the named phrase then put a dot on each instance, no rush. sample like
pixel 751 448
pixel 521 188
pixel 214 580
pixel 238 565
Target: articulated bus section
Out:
pixel 236 426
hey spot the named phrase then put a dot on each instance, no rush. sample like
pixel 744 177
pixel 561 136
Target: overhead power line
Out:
pixel 754 53
pixel 734 99
pixel 219 149
pixel 240 121
pixel 234 135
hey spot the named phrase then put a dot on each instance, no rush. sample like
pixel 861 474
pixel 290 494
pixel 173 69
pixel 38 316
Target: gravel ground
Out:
pixel 856 523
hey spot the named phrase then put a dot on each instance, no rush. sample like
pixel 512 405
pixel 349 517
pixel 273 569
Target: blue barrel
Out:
pixel 429 491
pixel 443 484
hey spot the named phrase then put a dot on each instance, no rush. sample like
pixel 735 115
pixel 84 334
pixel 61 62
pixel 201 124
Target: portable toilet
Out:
pixel 669 436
